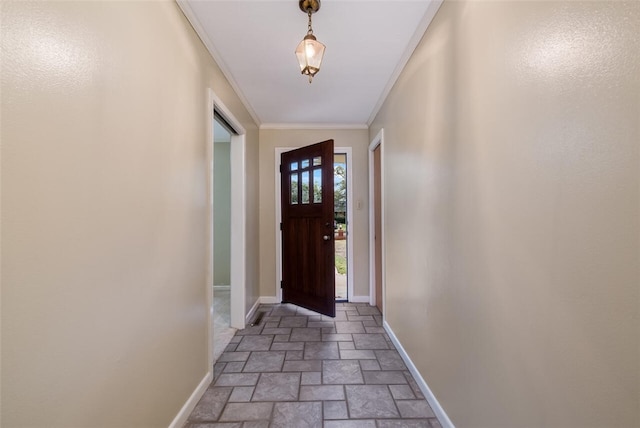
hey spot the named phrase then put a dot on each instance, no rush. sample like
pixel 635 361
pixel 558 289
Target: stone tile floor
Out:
pixel 300 369
pixel 221 320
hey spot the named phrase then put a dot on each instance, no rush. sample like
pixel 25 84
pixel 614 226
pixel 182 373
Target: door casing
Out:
pixel 378 140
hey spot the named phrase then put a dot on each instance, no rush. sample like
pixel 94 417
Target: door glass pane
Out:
pixel 317 185
pixel 340 216
pixel 304 163
pixel 294 188
pixel 294 166
pixel 305 187
pixel 317 161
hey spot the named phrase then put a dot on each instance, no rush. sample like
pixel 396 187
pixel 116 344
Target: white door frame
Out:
pixel 347 151
pixel 238 215
pixel 378 140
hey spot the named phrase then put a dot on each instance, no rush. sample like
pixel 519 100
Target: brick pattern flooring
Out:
pixel 299 369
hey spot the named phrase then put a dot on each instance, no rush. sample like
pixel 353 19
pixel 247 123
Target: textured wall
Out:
pixel 512 212
pixel 104 208
pixel 358 141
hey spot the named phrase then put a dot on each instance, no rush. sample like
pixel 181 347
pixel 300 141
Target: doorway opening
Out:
pixel 341 232
pixel 346 153
pixel 223 331
pixel 222 125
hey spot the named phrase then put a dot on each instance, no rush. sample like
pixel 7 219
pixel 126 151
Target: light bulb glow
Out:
pixel 309 50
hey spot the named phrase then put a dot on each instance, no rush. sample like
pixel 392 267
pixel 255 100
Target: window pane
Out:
pixel 294 188
pixel 305 187
pixel 317 161
pixel 317 185
pixel 304 163
pixel 294 166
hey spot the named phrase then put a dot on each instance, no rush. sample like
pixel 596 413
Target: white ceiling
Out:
pixel 368 44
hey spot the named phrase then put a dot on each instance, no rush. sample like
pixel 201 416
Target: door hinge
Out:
pixel 280 225
pixel 281 284
pixel 281 168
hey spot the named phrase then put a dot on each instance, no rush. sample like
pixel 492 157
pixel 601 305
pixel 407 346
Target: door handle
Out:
pixel 326 237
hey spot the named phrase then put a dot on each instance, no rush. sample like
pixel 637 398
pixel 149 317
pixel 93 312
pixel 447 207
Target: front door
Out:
pixel 308 263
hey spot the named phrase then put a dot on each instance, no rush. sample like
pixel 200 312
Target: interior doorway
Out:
pixel 218 113
pixel 223 331
pixel 377 224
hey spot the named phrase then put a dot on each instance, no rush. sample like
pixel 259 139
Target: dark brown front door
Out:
pixel 308 252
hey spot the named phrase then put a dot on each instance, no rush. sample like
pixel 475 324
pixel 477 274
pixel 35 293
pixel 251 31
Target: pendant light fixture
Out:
pixel 309 51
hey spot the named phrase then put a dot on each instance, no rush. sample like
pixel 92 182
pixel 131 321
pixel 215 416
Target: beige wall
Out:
pixel 104 211
pixel 358 140
pixel 512 201
pixel 252 231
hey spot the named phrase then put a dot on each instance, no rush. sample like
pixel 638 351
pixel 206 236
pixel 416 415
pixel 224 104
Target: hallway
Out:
pixel 300 369
pixel 509 207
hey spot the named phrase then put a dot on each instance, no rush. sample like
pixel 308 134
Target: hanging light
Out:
pixel 309 51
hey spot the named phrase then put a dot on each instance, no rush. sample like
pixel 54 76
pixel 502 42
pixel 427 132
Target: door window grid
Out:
pixel 305 180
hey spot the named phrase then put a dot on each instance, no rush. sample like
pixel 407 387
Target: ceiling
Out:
pixel 368 43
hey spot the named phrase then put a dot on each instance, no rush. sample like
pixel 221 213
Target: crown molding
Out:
pixel 199 29
pixel 430 13
pixel 314 126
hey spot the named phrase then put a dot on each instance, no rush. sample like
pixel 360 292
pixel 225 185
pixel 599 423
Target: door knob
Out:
pixel 326 237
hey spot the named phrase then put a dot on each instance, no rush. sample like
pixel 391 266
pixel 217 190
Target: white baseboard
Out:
pixel 431 399
pixel 252 312
pixel 262 300
pixel 183 414
pixel 359 299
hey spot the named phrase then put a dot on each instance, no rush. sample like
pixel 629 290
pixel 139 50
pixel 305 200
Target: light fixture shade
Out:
pixel 310 53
